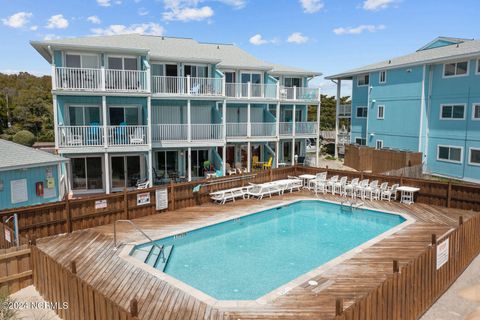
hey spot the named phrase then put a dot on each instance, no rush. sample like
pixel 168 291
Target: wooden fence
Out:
pixel 411 289
pixel 70 215
pixel 363 158
pixel 76 299
pixel 15 269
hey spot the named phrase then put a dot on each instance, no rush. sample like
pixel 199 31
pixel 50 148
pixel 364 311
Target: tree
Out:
pixel 327 112
pixel 24 137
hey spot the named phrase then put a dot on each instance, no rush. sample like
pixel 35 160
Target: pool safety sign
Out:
pixel 161 196
pixel 100 204
pixel 143 198
pixel 442 253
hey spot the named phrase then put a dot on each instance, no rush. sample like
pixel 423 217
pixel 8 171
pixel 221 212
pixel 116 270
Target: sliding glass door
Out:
pixel 256 80
pixel 87 173
pixel 167 165
pixel 126 171
pixel 120 116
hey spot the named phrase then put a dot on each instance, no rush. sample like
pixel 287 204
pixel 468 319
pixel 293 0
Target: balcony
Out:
pixel 179 132
pixel 207 132
pixel 286 128
pixel 187 86
pixel 251 91
pixel 80 136
pixel 260 129
pixel 83 79
pixel 345 111
pixel 299 94
pixel 237 129
pixel 306 128
pixel 120 136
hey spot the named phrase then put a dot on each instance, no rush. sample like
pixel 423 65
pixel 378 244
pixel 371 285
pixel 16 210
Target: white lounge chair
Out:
pixel 228 195
pixel 143 184
pixel 390 193
pixel 292 183
pixel 339 185
pixel 349 189
pixel 260 190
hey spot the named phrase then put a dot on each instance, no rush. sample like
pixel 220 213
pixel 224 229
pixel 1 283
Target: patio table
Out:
pixel 306 179
pixel 407 194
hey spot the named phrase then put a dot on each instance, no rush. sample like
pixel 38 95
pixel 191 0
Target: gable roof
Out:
pixel 17 156
pixel 442 41
pixel 161 48
pixel 464 49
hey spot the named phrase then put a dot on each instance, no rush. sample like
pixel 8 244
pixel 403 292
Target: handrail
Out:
pixel 161 248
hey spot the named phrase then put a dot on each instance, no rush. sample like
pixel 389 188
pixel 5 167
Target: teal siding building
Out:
pixel 131 109
pixel 29 176
pixel 427 101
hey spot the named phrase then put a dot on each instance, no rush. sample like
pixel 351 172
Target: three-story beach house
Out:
pixel 132 108
pixel 426 101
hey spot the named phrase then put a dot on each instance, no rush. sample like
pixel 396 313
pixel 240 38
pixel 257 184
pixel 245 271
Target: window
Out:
pixel 81 61
pixel 122 63
pixel 476 112
pixel 84 115
pixel 478 66
pixel 381 112
pixel 196 71
pixel 360 141
pixel 452 112
pixel 474 158
pixel 362 112
pixel 455 69
pixel 379 144
pixel 383 76
pixel 292 82
pixel 363 80
pixel 450 154
pixel 87 173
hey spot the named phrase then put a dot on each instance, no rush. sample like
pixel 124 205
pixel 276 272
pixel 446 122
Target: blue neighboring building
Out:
pixel 427 101
pixel 29 176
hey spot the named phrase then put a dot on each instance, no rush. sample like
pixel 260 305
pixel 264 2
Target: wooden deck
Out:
pixel 99 264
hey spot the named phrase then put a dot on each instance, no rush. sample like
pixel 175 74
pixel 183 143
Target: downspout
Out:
pixel 467 154
pixel 429 105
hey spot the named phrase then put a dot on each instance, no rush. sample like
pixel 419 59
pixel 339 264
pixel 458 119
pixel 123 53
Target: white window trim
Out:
pixel 76 105
pixel 456 75
pixel 251 72
pixel 138 106
pixel 363 75
pixel 80 53
pixel 448 160
pixel 376 144
pixel 356 112
pixel 477 72
pixel 380 77
pixel 123 61
pixel 378 112
pixel 451 105
pixel 470 156
pixel 473 111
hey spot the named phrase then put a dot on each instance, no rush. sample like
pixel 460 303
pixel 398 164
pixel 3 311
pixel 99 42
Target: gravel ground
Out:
pixel 462 300
pixel 30 294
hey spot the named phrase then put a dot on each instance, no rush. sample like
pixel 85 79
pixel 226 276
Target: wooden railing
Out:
pixel 80 136
pixel 127 135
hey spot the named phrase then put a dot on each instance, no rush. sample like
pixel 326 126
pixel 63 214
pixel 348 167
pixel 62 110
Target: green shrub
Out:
pixel 46 136
pixel 6 312
pixel 6 136
pixel 24 137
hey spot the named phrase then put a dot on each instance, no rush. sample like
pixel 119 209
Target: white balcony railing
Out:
pixel 345 110
pixel 207 131
pixel 237 129
pixel 80 136
pixel 299 93
pixel 187 86
pixel 251 90
pixel 305 128
pixel 286 128
pixel 126 80
pixel 127 135
pixel 262 129
pixel 169 132
pixel 78 79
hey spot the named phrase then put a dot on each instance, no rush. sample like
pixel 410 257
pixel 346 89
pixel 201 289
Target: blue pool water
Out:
pixel 247 258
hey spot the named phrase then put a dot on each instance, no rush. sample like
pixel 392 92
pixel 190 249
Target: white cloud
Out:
pixel 142 12
pixel 237 4
pixel 312 6
pixel 297 37
pixel 94 20
pixel 374 5
pixel 358 30
pixel 17 20
pixel 143 28
pixel 51 36
pixel 104 3
pixel 188 14
pixel 57 22
pixel 259 40
pixel 34 28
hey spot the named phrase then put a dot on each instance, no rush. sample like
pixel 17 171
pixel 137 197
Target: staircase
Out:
pixel 154 256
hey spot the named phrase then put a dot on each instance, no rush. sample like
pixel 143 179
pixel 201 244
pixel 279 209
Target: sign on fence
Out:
pixel 442 253
pixel 100 204
pixel 8 235
pixel 143 198
pixel 161 196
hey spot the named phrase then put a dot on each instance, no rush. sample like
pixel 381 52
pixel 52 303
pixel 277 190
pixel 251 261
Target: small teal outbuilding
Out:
pixel 29 176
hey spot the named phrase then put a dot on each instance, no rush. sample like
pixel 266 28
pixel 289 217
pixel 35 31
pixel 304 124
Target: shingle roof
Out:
pixel 435 55
pixel 14 155
pixel 281 69
pixel 165 48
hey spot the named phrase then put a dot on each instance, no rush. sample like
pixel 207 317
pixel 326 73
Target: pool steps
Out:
pixel 150 255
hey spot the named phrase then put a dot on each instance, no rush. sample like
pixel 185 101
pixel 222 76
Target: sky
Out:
pixel 329 36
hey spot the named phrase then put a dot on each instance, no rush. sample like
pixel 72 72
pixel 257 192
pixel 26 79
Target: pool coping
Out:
pixel 278 292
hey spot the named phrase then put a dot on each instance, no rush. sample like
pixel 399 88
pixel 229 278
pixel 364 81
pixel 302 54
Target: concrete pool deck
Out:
pixel 102 267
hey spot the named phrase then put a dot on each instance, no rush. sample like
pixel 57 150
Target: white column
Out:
pixel 189 85
pixel 224 159
pixel 150 167
pixel 249 157
pixel 149 79
pixel 339 88
pixel 149 122
pixel 249 89
pixel 55 120
pixel 277 115
pixel 106 172
pixel 277 152
pixel 317 150
pixel 224 122
pixel 54 77
pixel 294 120
pixel 104 119
pixel 249 124
pixel 189 166
pixel 293 151
pixel 102 78
pixel 189 121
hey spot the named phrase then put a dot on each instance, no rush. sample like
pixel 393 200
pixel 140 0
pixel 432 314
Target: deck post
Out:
pixel 73 267
pixel 134 307
pixel 338 307
pixel 317 140
pixel 249 123
pixel 460 220
pixel 294 124
pixel 68 215
pixel 125 204
pixel 337 110
pixel 189 121
pixel 396 267
pixel 172 193
pixel 277 128
pixel 434 239
pixel 189 161
pixel 107 173
pixel 224 133
pixel 449 194
pixel 249 157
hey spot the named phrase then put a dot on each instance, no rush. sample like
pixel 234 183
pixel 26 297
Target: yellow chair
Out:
pixel 255 163
pixel 268 165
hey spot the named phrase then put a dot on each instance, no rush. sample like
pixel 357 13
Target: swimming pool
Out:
pixel 248 257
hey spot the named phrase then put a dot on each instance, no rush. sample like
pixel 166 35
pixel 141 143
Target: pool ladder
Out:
pixel 161 248
pixel 350 205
